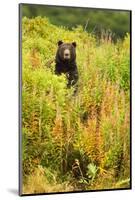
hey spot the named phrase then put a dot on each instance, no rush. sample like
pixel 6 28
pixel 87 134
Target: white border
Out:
pixel 9 98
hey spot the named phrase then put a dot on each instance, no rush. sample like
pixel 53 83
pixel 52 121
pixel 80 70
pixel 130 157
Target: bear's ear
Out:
pixel 74 44
pixel 60 42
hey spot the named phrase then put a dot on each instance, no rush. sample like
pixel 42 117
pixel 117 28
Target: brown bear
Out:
pixel 66 62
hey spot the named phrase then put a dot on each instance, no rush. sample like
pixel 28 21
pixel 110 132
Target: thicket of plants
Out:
pixel 58 127
pixel 94 20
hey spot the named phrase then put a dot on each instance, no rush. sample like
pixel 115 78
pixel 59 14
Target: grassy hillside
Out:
pixel 58 128
pixel 94 19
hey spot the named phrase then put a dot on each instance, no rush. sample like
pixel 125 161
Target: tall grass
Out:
pixel 93 126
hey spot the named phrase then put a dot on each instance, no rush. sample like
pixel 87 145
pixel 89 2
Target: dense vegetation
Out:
pixel 58 127
pixel 93 20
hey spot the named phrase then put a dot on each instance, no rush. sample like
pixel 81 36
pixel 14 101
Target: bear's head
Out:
pixel 66 51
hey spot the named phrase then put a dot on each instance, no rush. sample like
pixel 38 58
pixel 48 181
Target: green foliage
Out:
pixel 113 156
pixel 92 171
pixel 93 20
pixel 92 126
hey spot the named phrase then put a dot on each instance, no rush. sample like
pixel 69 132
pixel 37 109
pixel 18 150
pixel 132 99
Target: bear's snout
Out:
pixel 66 54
